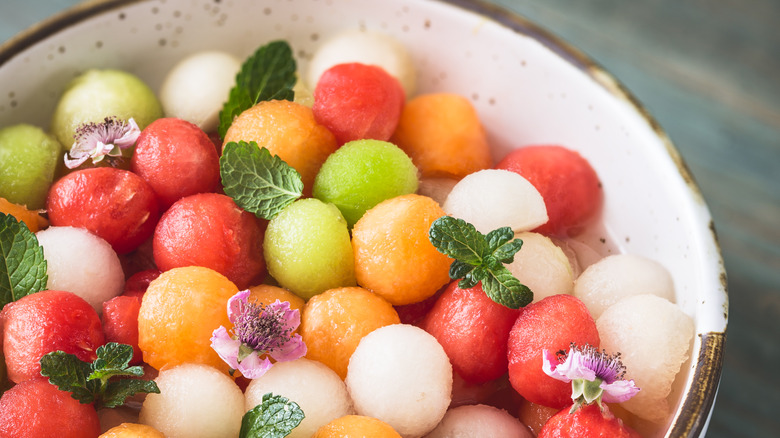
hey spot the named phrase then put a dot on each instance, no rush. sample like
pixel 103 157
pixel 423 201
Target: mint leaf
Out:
pixel 22 265
pixel 259 182
pixel 100 382
pixel 69 373
pixel 266 75
pixel 458 239
pixel 274 417
pixel 502 287
pixel 481 258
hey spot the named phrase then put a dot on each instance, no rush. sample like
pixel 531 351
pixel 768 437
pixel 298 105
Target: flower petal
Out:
pixel 618 391
pixel 253 367
pixel 291 350
pixel 235 304
pixel 550 366
pixel 575 367
pixel 225 346
pixel 129 137
pixel 77 159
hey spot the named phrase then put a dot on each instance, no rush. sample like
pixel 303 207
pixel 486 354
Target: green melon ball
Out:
pixel 363 173
pixel 29 159
pixel 307 248
pixel 97 94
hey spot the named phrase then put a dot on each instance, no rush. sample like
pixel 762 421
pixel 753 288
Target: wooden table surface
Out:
pixel 709 72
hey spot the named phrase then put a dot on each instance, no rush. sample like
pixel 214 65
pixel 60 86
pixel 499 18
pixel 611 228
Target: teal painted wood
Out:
pixel 709 72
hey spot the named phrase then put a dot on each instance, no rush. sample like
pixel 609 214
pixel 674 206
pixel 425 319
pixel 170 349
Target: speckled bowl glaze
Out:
pixel 528 86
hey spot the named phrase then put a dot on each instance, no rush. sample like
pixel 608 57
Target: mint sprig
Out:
pixel 266 75
pixel 274 417
pixel 104 381
pixel 481 258
pixel 258 182
pixel 22 265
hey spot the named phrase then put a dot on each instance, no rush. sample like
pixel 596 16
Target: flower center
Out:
pixel 262 328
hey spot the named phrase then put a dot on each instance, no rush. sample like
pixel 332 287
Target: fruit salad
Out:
pixel 319 253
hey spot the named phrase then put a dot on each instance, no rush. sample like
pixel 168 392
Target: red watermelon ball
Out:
pixel 114 204
pixel 473 330
pixel 568 184
pixel 177 159
pixel 210 230
pixel 357 101
pixel 37 409
pixel 553 323
pixel 47 321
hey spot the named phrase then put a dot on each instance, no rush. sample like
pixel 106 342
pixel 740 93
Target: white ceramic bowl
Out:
pixel 528 86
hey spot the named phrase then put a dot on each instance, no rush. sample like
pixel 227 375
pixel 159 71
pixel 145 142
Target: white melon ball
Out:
pixel 542 266
pixel 618 276
pixel 653 337
pixel 477 421
pixel 82 263
pixel 317 389
pixel 195 401
pixel 366 47
pixel 436 188
pixel 495 198
pixel 196 88
pixel 401 375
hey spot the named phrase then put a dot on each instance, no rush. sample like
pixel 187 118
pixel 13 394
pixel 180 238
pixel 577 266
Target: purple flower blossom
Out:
pixel 594 375
pixel 258 332
pixel 96 140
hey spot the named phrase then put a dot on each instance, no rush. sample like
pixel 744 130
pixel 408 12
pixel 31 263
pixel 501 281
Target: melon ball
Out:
pixel 365 47
pixel 29 158
pixel 401 375
pixel 197 86
pixel 96 94
pixel 308 250
pixel 493 198
pixel 363 173
pixel 617 276
pixel 542 266
pixel 195 401
pixel 653 336
pixel 82 263
pixel 317 389
pixel 476 421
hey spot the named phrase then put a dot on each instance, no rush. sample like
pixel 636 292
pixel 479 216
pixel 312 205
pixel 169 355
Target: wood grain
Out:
pixel 709 72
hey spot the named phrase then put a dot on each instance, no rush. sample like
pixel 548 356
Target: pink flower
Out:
pixel 258 332
pixel 594 375
pixel 96 140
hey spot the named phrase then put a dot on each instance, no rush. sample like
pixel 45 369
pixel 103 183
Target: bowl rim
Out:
pixel 698 401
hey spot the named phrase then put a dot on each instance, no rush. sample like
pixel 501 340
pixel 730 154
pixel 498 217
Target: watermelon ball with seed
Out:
pixel 552 324
pixel 568 184
pixel 358 101
pixel 177 159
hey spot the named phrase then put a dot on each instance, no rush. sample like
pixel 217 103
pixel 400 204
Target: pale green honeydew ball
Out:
pixel 620 275
pixel 653 336
pixel 317 389
pixel 495 198
pixel 97 94
pixel 542 266
pixel 401 375
pixel 83 263
pixel 477 421
pixel 366 47
pixel 363 173
pixel 195 401
pixel 29 159
pixel 307 248
pixel 196 88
